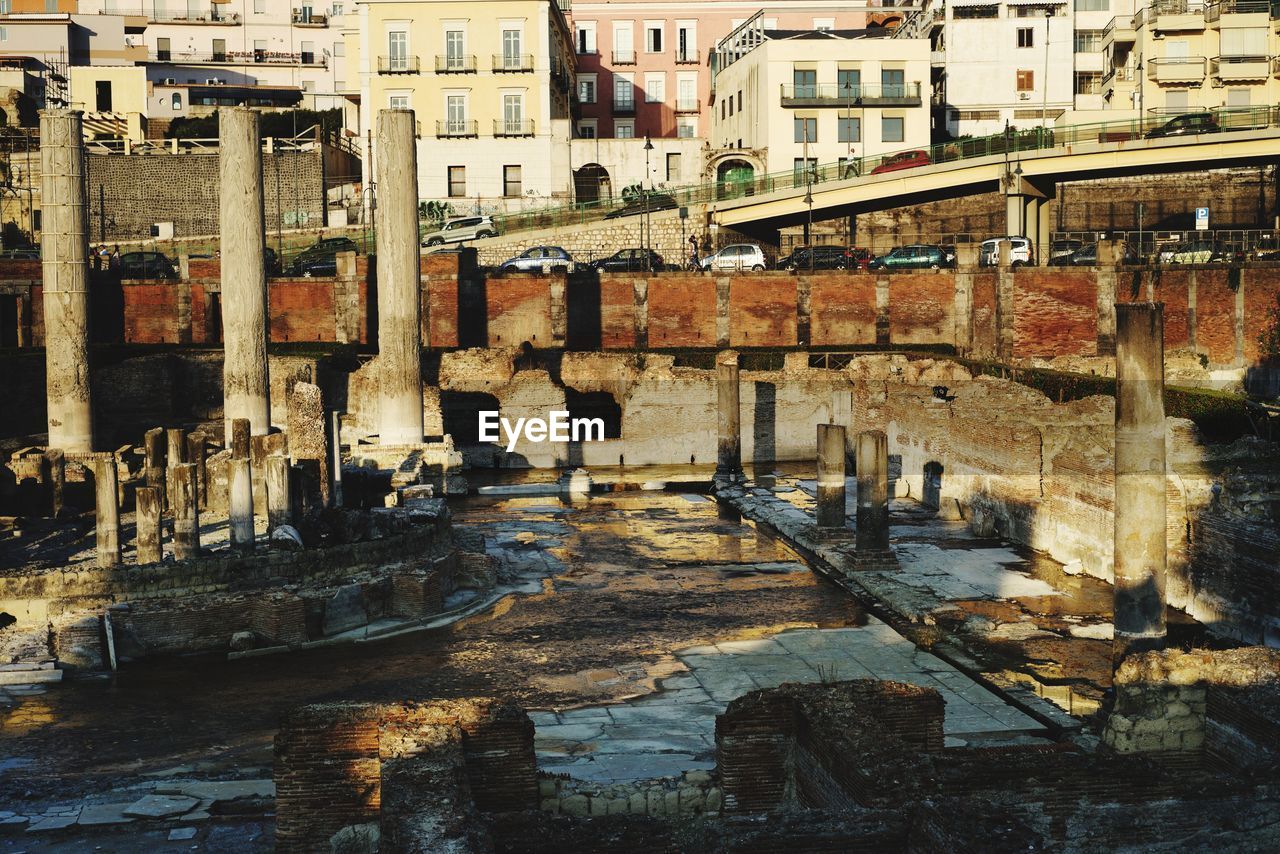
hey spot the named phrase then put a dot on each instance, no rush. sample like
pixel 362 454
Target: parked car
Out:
pixel 461 229
pixel 1204 251
pixel 1187 123
pixel 28 253
pixel 1059 248
pixel 736 256
pixel 538 259
pixel 147 265
pixel 1087 256
pixel 1266 249
pixel 818 258
pixel 333 244
pixel 902 160
pixel 629 261
pixel 649 201
pixel 917 256
pixel 1021 252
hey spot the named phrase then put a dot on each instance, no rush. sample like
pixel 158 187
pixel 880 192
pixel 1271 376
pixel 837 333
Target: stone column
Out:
pixel 176 455
pixel 728 418
pixel 57 479
pixel 195 456
pixel 186 512
pixel 1140 479
pixel 108 513
pixel 244 280
pixel 64 254
pixel 831 457
pixel 240 488
pixel 399 334
pixel 147 500
pixel 335 434
pixel 872 461
pixel 279 504
pixel 153 471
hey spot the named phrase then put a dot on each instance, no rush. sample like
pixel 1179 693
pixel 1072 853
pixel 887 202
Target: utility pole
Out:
pixel 1044 95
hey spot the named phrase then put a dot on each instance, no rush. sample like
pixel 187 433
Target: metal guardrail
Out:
pixel 513 127
pixel 398 64
pixel 835 95
pixel 512 63
pixel 455 64
pixel 240 57
pixel 688 56
pixel 1013 143
pixel 448 128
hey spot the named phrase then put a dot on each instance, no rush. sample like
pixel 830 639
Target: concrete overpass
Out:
pixel 1027 178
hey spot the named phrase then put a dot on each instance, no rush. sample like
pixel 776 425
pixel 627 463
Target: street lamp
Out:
pixel 1044 94
pixel 648 223
pixel 368 201
pixel 808 201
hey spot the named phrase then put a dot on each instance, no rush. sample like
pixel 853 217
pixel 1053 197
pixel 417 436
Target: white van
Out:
pixel 1020 253
pixel 737 256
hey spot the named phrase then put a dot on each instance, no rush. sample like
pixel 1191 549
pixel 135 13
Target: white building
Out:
pixel 257 49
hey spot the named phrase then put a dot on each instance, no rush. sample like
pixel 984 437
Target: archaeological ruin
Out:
pixel 971 559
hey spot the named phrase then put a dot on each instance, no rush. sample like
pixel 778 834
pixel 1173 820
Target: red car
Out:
pixel 856 258
pixel 903 160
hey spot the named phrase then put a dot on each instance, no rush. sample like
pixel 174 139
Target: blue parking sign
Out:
pixel 1202 219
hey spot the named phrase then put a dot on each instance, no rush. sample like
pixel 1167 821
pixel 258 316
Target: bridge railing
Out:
pixel 1010 144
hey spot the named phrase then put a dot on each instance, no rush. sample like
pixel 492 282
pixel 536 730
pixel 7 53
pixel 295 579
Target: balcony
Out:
pixel 511 63
pixel 866 95
pixel 688 105
pixel 1214 12
pixel 1185 69
pixel 513 127
pixel 624 57
pixel 1119 30
pixel 455 64
pixel 307 18
pixel 1176 16
pixel 214 18
pixel 238 57
pixel 937 58
pixel 688 56
pixel 624 107
pixel 456 129
pixel 1240 68
pixel 398 64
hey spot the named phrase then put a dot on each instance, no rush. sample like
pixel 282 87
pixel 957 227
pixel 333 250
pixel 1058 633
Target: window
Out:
pixel 397 51
pixel 259 7
pixel 686 92
pixel 176 103
pixel 849 80
pixel 457 182
pixel 1088 41
pixel 805 129
pixel 652 37
pixel 624 129
pixel 511 48
pixel 308 52
pixel 1244 41
pixel 1026 80
pixel 1088 82
pixel 102 96
pixel 893 83
pixel 623 92
pixel 1092 6
pixel 398 102
pixel 673 167
pixel 623 44
pixel 586 37
pixel 511 185
pixel 849 129
pixel 587 129
pixel 1237 97
pixel 455 110
pixel 455 47
pixel 587 88
pixel 805 82
pixel 162 49
pixel 891 129
pixel 1026 37
pixel 739 100
pixel 1177 99
pixel 6 6
pixel 219 51
pixel 799 166
pixel 686 41
pixel 686 128
pixel 963 13
pixel 722 109
pixel 730 99
pixel 655 88
pixel 513 112
pixel 822 24
pixel 337 10
pixel 339 48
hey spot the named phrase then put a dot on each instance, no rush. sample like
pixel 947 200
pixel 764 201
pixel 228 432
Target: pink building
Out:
pixel 643 64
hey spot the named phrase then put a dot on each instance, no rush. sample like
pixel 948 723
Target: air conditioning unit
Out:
pixel 212 81
pixel 169 81
pixel 1026 96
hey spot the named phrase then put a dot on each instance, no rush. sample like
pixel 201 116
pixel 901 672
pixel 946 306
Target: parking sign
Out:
pixel 1202 219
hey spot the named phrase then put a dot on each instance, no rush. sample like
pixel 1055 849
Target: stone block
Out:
pixel 598 806
pixel 345 610
pixel 638 804
pixel 575 805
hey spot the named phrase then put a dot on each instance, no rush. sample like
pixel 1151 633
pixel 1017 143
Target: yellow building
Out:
pixel 1178 56
pixel 490 82
pixel 113 98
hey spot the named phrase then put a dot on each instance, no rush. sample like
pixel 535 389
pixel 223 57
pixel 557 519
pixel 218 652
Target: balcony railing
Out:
pixel 456 128
pixel 688 105
pixel 1123 74
pixel 239 57
pixel 1215 11
pixel 226 19
pixel 513 127
pixel 398 64
pixel 688 56
pixel 1176 15
pixel 455 64
pixel 1119 29
pixel 835 95
pixel 1240 67
pixel 307 18
pixel 509 63
pixel 624 57
pixel 624 107
pixel 1183 69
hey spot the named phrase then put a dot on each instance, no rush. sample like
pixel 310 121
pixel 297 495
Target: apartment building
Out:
pixel 643 65
pixel 491 83
pixel 1175 56
pixel 262 51
pixel 784 98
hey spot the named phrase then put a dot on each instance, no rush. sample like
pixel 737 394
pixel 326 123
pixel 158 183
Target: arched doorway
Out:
pixel 591 185
pixel 735 178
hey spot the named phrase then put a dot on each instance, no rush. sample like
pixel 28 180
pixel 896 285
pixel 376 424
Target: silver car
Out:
pixel 737 256
pixel 539 259
pixel 462 229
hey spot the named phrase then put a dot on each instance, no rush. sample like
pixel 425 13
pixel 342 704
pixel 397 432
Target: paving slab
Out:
pixel 94 814
pixel 161 806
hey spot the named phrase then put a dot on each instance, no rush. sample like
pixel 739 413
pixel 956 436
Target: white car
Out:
pixel 461 230
pixel 1020 252
pixel 737 256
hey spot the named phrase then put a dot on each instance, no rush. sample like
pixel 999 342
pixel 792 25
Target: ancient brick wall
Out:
pixel 762 311
pixel 682 311
pixel 842 310
pixel 302 310
pixel 1055 311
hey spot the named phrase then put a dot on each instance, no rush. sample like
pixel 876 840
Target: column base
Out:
pixel 873 560
pixel 830 535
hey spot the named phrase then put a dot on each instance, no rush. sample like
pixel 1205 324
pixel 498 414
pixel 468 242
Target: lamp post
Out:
pixel 808 194
pixel 369 201
pixel 1022 207
pixel 1044 94
pixel 648 223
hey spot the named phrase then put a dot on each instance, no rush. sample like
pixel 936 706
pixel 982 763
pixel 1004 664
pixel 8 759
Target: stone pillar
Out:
pixel 57 479
pixel 831 458
pixel 64 254
pixel 244 280
pixel 728 418
pixel 108 512
pixel 873 494
pixel 335 434
pixel 1140 479
pixel 195 456
pixel 240 488
pixel 148 505
pixel 176 456
pixel 399 334
pixel 1014 214
pixel 186 512
pixel 279 504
